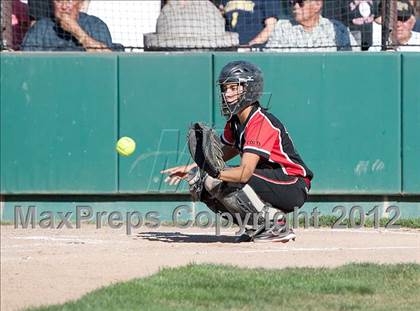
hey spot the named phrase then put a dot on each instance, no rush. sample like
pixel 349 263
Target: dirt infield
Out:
pixel 40 266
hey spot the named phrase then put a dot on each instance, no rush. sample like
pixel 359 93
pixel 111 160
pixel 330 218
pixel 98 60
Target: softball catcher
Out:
pixel 272 178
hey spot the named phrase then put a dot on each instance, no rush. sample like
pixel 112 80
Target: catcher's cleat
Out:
pixel 283 235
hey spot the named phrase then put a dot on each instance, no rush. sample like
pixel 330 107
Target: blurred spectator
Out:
pixel 254 20
pixel 360 15
pixel 20 23
pixel 127 20
pixel 403 38
pixel 190 25
pixel 357 15
pixel 307 30
pixel 39 9
pixel 69 30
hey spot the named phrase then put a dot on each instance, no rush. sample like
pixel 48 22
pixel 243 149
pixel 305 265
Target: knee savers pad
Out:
pixel 216 206
pixel 243 201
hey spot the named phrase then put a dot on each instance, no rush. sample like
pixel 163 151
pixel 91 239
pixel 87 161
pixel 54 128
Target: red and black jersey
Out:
pixel 263 134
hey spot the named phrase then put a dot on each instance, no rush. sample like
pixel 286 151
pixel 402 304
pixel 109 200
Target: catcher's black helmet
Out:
pixel 246 74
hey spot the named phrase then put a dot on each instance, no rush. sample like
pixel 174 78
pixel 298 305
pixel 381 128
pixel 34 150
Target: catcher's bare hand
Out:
pixel 177 173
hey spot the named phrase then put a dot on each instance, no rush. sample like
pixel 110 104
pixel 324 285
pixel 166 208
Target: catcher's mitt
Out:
pixel 206 148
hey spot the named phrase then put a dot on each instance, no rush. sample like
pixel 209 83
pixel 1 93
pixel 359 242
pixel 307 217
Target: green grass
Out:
pixel 328 221
pixel 212 287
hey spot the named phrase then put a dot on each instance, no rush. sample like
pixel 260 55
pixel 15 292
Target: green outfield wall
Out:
pixel 355 118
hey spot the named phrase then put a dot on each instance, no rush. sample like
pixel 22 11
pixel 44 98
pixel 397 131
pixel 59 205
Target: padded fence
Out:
pixel 61 116
pixel 58 124
pixel 411 123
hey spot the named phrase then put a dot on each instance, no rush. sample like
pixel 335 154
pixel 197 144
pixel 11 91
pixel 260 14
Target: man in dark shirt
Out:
pixel 68 30
pixel 252 20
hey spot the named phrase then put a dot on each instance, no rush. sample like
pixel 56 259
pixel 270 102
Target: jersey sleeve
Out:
pixel 227 137
pixel 260 137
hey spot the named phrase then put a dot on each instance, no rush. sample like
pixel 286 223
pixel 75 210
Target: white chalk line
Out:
pixel 298 231
pixel 59 239
pixel 373 231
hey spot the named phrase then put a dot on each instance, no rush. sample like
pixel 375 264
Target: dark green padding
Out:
pixel 411 122
pixel 160 96
pixel 62 114
pixel 58 123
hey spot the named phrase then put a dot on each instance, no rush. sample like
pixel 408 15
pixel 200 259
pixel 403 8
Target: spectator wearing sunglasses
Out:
pixel 308 30
pixel 402 37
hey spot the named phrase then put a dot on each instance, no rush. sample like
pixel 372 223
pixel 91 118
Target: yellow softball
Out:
pixel 125 146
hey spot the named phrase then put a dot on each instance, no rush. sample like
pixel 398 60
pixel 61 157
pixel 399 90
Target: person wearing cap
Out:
pixel 403 34
pixel 308 30
pixel 69 30
pixel 403 38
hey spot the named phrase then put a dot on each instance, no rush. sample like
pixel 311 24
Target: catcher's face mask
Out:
pixel 233 96
pixel 232 92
